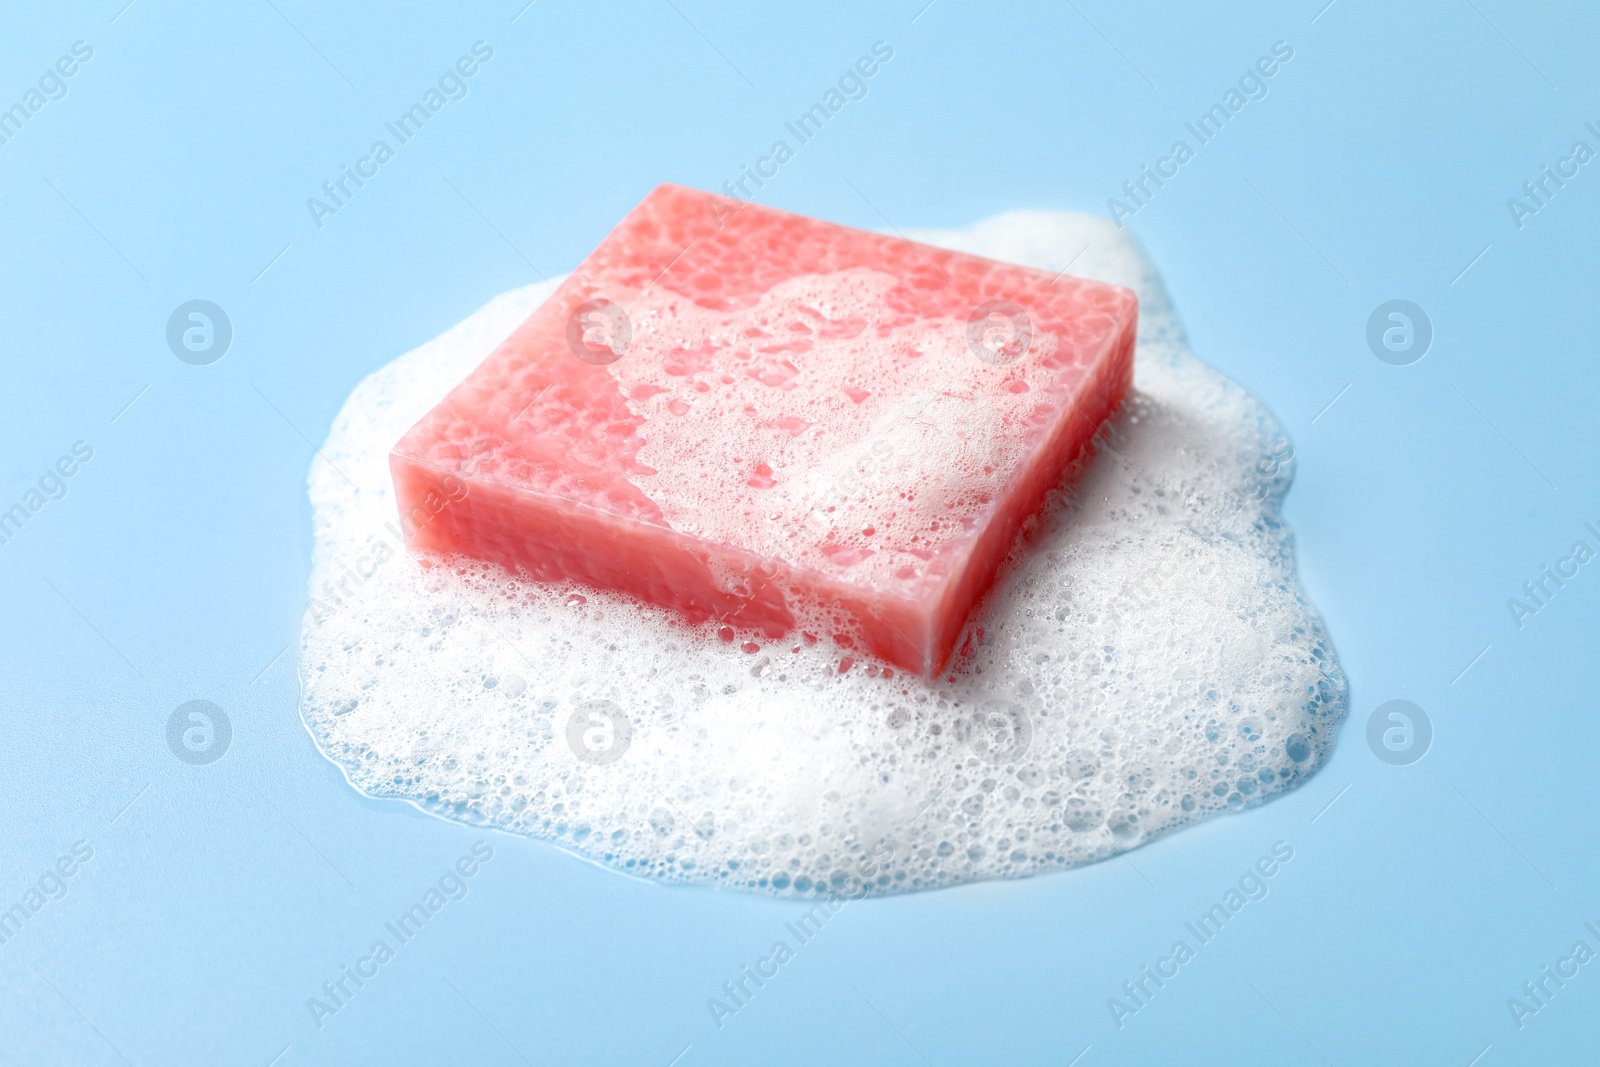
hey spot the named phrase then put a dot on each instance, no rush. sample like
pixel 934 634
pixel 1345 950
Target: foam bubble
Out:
pixel 1148 660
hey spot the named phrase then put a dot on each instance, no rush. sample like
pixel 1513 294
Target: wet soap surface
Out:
pixel 1149 661
pixel 774 421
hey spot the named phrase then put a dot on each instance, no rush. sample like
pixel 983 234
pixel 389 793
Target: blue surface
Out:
pixel 221 897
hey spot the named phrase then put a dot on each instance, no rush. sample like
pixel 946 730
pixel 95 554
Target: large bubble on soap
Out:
pixel 1148 661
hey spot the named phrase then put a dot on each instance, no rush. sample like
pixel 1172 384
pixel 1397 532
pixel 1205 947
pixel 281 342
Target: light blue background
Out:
pixel 221 897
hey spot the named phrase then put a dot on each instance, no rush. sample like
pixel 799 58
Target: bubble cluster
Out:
pixel 870 465
pixel 1146 661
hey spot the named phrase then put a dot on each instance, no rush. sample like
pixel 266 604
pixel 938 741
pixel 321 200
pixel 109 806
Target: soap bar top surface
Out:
pixel 848 414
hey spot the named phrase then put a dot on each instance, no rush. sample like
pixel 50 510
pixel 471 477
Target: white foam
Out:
pixel 909 425
pixel 1149 660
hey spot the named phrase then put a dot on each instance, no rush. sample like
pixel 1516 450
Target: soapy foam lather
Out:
pixel 1147 659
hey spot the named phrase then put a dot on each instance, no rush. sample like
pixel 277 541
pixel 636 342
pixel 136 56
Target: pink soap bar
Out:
pixel 773 422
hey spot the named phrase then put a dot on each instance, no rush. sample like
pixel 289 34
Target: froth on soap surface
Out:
pixel 1150 660
pixel 779 421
